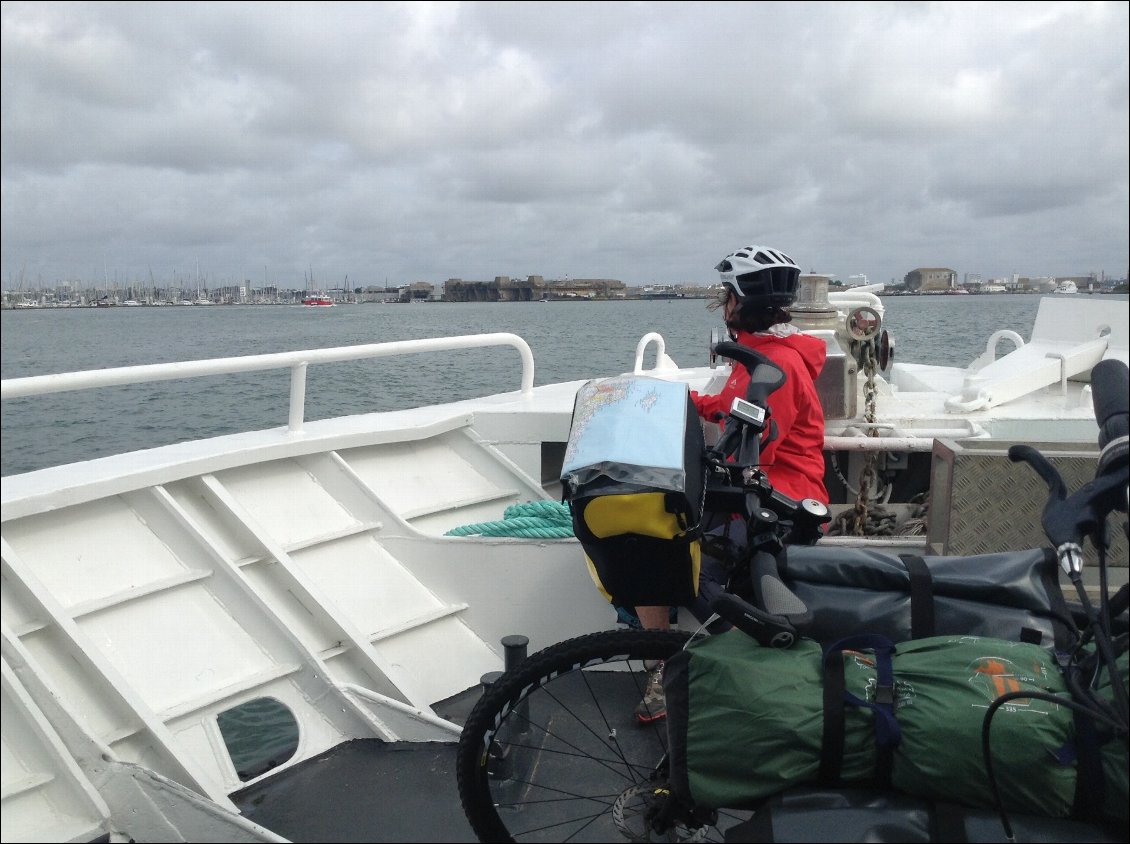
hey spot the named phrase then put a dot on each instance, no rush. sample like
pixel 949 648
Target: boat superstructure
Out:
pixel 152 599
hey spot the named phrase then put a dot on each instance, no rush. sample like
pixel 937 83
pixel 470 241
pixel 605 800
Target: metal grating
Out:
pixel 981 502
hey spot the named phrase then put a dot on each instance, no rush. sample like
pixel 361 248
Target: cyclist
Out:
pixel 759 284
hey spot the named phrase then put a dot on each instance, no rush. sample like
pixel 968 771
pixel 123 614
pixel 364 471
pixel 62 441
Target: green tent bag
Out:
pixel 1113 755
pixel 746 722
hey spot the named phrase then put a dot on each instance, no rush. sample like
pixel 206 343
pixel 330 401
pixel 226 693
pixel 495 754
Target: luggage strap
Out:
pixel 887 731
pixel 1086 753
pixel 921 596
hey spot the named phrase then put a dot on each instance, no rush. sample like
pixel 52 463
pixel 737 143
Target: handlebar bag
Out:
pixel 634 475
pixel 1011 595
pixel 747 722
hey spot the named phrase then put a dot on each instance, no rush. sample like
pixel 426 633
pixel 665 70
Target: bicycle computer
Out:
pixel 748 412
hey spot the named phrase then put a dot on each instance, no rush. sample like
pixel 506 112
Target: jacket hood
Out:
pixel 812 351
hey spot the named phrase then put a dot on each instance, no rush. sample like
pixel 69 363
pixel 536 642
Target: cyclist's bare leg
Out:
pixel 654 618
pixel 653 706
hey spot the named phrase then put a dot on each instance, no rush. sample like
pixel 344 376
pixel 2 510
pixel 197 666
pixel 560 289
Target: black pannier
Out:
pixel 1012 595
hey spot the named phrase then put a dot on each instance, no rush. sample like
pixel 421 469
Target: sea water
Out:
pixel 569 340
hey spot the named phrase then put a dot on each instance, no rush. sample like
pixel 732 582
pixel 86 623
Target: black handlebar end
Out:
pixel 1110 394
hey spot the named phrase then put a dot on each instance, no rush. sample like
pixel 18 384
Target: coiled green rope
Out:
pixel 532 519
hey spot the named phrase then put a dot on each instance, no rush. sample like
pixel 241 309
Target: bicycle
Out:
pixel 551 751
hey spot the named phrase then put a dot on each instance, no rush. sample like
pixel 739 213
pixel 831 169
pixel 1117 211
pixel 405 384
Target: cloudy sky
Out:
pixel 397 142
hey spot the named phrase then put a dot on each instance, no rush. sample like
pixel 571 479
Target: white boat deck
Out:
pixel 147 594
pixel 1066 343
pixel 294 576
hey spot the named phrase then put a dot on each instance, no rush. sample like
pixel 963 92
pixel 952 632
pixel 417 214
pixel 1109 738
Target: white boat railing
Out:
pixel 663 361
pixel 296 362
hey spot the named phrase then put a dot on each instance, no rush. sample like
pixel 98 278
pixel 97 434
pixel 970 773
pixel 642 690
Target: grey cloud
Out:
pixel 628 140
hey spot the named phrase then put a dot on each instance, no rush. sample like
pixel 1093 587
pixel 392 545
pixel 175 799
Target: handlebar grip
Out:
pixel 1110 388
pixel 772 593
pixel 770 631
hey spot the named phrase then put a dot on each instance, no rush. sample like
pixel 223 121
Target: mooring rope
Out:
pixel 532 520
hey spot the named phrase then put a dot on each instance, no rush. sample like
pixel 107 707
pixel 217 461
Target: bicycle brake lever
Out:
pixel 770 631
pixel 1026 454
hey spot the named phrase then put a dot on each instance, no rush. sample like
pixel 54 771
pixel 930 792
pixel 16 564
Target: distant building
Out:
pixel 930 280
pixel 502 289
pixel 532 289
pixel 418 290
pixel 586 288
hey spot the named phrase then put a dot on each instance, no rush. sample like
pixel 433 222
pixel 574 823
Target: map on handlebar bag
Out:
pixel 634 475
pixel 628 428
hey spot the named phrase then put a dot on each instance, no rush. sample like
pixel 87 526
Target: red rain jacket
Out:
pixel 794 461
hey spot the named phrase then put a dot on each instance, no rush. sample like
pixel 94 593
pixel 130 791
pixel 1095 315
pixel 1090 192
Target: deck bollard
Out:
pixel 514 648
pixel 499 761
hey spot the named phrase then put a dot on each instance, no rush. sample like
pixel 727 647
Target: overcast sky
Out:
pixel 399 142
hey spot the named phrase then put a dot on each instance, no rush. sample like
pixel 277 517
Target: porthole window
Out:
pixel 260 734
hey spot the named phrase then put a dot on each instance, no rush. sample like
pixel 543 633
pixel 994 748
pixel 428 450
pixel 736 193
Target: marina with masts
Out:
pixel 75 294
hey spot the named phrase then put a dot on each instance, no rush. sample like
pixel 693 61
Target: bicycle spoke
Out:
pixel 553 751
pixel 606 738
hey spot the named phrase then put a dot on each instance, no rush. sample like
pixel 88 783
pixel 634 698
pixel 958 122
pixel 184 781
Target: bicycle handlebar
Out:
pixel 741 438
pixel 1068 519
pixel 764 375
pixel 1110 386
pixel 737 455
pixel 772 517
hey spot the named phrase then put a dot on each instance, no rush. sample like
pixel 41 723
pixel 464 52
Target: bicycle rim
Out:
pixel 553 752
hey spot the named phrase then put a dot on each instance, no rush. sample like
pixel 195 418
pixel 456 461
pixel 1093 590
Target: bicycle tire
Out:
pixel 552 751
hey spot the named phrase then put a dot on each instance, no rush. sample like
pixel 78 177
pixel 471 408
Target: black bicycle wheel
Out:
pixel 552 751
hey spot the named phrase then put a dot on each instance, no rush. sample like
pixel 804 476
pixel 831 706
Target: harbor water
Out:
pixel 570 340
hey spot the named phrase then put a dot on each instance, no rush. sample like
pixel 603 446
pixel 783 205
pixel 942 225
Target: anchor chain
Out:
pixel 917 524
pixel 869 517
pixel 858 519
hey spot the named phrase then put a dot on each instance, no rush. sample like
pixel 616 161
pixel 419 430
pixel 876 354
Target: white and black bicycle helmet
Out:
pixel 761 276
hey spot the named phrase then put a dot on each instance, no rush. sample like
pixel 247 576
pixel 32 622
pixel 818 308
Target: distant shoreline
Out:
pixel 706 294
